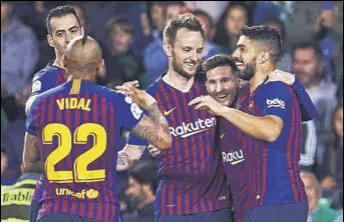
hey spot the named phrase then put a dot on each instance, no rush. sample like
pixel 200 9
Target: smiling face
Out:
pixel 245 57
pixel 221 84
pixel 186 52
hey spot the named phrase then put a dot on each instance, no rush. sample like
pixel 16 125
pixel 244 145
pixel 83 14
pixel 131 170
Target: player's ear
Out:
pixel 263 57
pixel 101 65
pixel 50 41
pixel 167 49
pixel 82 30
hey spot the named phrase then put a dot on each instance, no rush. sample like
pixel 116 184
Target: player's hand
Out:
pixel 154 152
pixel 282 76
pixel 124 87
pixel 140 97
pixel 208 103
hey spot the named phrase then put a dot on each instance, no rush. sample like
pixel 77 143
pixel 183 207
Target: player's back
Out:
pixel 78 128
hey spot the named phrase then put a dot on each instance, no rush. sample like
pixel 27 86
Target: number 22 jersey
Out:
pixel 78 127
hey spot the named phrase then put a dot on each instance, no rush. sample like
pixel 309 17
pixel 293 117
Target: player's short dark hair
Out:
pixel 206 15
pixel 124 23
pixel 187 20
pixel 267 36
pixel 146 172
pixel 219 60
pixel 310 45
pixel 59 12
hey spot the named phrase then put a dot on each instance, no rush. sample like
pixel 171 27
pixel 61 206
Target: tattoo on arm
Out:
pixel 151 128
pixel 146 130
pixel 31 156
pixel 123 159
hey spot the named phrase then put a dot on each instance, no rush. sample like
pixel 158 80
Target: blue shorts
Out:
pixel 296 212
pixel 223 215
pixel 63 217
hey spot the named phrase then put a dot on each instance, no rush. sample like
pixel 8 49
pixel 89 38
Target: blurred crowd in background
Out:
pixel 130 34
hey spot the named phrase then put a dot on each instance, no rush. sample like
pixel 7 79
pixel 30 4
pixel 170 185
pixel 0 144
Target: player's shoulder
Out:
pixel 48 71
pixel 155 86
pixel 275 87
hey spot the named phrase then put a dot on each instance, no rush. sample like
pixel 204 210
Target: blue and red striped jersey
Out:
pixel 272 168
pixel 191 176
pixel 78 126
pixel 232 141
pixel 47 78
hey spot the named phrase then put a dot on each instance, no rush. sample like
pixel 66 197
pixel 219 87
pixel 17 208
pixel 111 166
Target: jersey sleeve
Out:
pixel 41 83
pixel 307 108
pixel 130 113
pixel 136 140
pixel 276 100
pixel 30 123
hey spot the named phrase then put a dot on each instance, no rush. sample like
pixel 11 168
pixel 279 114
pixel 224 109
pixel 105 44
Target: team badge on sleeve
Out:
pixel 135 110
pixel 36 86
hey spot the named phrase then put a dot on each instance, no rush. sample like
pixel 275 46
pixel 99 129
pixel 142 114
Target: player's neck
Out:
pixel 58 62
pixel 179 82
pixel 260 76
pixel 79 75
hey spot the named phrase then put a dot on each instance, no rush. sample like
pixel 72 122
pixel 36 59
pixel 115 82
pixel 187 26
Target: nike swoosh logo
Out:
pixel 168 112
pixel 222 135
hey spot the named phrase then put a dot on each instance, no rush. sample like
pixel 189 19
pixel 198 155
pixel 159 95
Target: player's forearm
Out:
pixel 266 128
pixel 162 126
pixel 31 157
pixel 128 156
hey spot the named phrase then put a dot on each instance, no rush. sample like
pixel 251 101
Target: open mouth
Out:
pixel 239 64
pixel 191 64
pixel 222 98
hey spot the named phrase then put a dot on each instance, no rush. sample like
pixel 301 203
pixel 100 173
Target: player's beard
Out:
pixel 179 69
pixel 248 72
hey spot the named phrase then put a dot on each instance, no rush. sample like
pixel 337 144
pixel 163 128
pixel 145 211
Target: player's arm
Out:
pixel 266 128
pixel 31 155
pixel 307 108
pixel 152 127
pixel 128 156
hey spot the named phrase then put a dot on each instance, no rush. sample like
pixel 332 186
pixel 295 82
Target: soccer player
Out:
pixel 63 25
pixel 191 186
pixel 75 131
pixel 269 114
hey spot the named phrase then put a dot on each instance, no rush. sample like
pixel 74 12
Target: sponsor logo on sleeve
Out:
pixel 275 103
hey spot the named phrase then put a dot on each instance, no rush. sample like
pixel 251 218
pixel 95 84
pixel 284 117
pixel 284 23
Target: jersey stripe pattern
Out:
pixel 191 176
